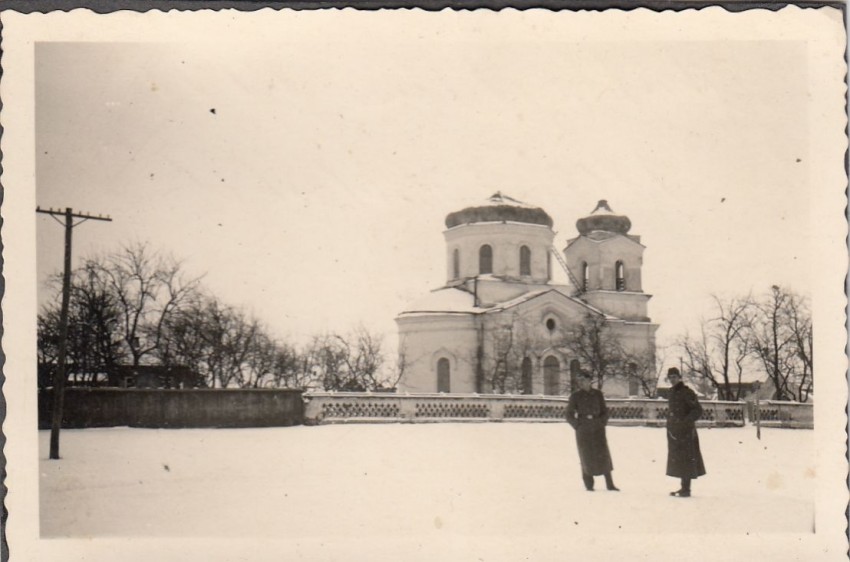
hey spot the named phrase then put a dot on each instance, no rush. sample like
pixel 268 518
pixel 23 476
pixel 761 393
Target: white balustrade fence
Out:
pixel 775 413
pixel 365 407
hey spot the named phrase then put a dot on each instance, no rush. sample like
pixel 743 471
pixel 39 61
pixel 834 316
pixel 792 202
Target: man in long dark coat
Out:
pixel 588 414
pixel 684 459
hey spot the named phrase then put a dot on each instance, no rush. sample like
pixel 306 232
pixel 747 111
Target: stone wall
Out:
pixel 110 407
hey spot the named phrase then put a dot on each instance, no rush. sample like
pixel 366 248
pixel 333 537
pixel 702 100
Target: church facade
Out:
pixel 501 324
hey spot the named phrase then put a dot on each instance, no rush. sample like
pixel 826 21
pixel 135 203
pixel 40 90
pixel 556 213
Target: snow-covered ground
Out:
pixel 362 481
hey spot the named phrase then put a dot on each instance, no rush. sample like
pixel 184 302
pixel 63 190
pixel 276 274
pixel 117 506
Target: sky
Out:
pixel 308 180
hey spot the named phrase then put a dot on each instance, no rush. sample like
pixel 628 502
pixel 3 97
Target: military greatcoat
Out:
pixel 588 414
pixel 684 459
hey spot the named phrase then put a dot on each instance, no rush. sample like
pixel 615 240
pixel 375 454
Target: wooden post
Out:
pixel 756 387
pixel 60 374
pixel 59 379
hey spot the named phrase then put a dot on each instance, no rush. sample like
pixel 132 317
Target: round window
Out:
pixel 550 324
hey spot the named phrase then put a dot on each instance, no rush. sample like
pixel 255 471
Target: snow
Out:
pixel 443 300
pixel 404 480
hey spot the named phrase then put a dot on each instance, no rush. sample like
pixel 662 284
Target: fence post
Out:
pixel 407 409
pixel 497 412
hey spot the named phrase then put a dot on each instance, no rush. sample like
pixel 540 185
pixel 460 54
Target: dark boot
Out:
pixel 685 490
pixel 588 481
pixel 609 482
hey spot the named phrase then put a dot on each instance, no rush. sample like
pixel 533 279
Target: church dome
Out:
pixel 604 219
pixel 500 208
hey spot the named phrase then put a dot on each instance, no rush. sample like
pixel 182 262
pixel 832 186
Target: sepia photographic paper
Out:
pixel 338 278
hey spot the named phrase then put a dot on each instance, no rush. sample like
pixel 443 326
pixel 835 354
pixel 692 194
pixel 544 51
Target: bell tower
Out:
pixel 606 261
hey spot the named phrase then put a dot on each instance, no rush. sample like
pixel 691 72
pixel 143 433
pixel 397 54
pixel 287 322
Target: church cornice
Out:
pixel 613 235
pixel 498 223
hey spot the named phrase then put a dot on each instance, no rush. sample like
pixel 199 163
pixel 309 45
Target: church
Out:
pixel 500 324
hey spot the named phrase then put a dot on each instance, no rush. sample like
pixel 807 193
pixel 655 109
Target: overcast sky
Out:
pixel 310 180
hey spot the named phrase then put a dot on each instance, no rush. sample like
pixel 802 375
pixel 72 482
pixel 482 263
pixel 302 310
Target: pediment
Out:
pixel 548 301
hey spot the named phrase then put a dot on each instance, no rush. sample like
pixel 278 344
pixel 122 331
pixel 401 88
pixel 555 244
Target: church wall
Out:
pixel 425 339
pixel 628 306
pixel 637 338
pixel 505 239
pixel 522 332
pixel 616 388
pixel 601 258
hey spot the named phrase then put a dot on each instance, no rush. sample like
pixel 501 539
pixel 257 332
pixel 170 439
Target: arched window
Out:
pixel 485 259
pixel 551 375
pixel 443 375
pixel 526 376
pixel 621 276
pixel 524 261
pixel 456 264
pixel 575 367
pixel 585 276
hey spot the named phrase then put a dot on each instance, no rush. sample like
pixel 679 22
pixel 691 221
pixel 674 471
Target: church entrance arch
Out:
pixel 444 375
pixel 551 375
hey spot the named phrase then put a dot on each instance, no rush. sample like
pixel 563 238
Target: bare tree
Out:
pixel 395 373
pixel 354 361
pixel 328 356
pixel 730 335
pixel 221 342
pixel 148 288
pixel 720 354
pixel 293 369
pixel 644 368
pixel 597 347
pixel 93 326
pixel 504 341
pixel 800 321
pixel 782 339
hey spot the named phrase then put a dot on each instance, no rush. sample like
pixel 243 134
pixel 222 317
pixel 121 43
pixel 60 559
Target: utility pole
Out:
pixel 60 376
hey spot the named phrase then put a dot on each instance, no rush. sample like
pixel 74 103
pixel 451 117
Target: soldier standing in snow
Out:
pixel 684 459
pixel 588 414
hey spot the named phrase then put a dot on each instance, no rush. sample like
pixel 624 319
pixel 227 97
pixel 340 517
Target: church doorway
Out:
pixel 551 375
pixel 443 375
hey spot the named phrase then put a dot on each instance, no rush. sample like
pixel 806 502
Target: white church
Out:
pixel 501 324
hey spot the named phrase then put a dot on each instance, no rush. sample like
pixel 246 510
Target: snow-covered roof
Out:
pixel 563 291
pixel 605 219
pixel 453 300
pixel 448 299
pixel 499 208
pixel 602 236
